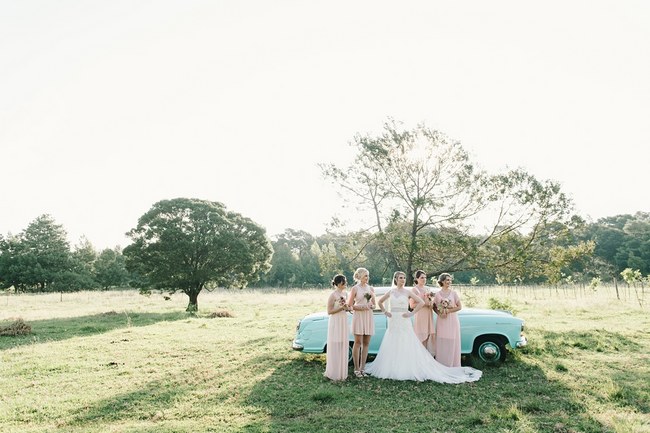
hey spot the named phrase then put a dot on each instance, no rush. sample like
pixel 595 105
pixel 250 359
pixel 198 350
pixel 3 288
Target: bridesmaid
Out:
pixel 362 301
pixel 337 331
pixel 423 319
pixel 447 326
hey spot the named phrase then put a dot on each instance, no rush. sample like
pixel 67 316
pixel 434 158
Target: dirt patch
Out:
pixel 220 313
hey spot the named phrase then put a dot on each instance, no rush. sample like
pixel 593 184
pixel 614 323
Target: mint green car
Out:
pixel 485 334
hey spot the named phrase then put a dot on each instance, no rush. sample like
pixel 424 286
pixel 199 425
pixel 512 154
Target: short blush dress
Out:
pixel 363 322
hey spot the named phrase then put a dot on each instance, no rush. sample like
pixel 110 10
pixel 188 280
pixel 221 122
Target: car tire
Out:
pixel 490 350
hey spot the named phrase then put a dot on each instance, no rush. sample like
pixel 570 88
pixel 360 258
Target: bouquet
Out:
pixel 343 304
pixel 430 296
pixel 368 297
pixel 443 306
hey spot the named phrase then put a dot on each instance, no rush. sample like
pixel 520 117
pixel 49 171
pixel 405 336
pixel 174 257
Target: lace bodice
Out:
pixel 398 302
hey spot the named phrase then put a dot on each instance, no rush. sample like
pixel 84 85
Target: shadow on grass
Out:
pixel 601 340
pixel 70 327
pixel 628 384
pixel 146 403
pixel 516 396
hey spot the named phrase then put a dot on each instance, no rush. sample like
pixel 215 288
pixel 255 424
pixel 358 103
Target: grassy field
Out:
pixel 120 362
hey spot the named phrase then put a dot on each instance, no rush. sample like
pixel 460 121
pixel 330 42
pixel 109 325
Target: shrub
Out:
pixel 501 304
pixel 19 327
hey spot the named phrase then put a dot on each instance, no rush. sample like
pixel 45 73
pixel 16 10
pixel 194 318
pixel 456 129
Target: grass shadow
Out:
pixel 562 343
pixel 517 396
pixel 70 327
pixel 146 403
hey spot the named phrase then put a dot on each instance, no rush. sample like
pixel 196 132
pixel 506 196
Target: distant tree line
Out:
pixel 40 258
pixel 575 252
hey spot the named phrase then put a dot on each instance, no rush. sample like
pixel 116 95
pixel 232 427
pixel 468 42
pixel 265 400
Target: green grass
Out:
pixel 120 362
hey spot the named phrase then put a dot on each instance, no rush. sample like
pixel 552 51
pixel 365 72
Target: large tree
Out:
pixel 431 207
pixel 190 244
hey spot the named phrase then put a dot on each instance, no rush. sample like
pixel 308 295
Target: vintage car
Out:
pixel 485 334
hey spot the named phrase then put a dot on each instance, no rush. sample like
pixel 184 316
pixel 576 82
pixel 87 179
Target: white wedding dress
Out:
pixel 403 357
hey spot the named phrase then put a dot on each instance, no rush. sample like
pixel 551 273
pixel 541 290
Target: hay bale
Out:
pixel 19 327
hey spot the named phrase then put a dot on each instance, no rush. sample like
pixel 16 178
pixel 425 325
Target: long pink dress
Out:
pixel 337 341
pixel 448 331
pixel 423 322
pixel 363 322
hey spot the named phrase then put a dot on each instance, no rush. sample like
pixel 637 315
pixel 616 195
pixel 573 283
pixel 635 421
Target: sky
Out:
pixel 107 107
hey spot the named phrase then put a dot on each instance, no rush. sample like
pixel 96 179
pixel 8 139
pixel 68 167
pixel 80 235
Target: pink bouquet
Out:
pixel 444 305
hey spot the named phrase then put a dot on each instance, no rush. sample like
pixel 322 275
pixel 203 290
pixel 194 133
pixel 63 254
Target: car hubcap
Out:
pixel 489 351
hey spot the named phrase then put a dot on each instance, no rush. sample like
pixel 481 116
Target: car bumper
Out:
pixel 297 346
pixel 523 342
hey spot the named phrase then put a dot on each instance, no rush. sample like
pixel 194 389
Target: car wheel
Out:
pixel 490 349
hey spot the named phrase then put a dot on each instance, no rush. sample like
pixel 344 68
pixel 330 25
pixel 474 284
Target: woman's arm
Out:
pixel 353 295
pixel 381 304
pixel 459 305
pixel 332 307
pixel 419 302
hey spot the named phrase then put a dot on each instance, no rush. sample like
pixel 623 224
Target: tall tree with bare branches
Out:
pixel 428 201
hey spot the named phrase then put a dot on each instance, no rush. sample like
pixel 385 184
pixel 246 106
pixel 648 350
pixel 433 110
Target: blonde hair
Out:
pixel 359 273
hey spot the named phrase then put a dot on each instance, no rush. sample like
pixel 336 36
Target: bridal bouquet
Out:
pixel 343 304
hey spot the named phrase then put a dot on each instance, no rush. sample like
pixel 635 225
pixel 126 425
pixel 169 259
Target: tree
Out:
pixel 419 182
pixel 191 244
pixel 622 241
pixel 110 269
pixel 285 267
pixel 83 265
pixel 302 249
pixel 38 258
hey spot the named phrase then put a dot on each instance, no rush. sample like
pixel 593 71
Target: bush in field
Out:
pixel 469 299
pixel 19 327
pixel 501 304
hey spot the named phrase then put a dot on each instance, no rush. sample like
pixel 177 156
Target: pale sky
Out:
pixel 109 106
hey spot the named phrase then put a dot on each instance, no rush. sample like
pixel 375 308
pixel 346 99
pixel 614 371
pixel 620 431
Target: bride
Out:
pixel 401 355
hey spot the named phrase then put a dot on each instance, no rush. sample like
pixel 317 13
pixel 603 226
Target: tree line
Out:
pixel 40 258
pixel 422 203
pixel 578 252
